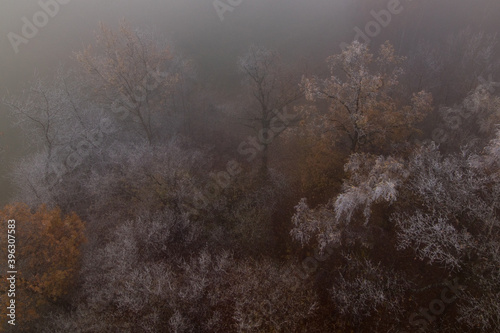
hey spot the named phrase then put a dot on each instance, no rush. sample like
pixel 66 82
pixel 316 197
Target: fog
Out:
pixel 250 165
pixel 310 30
pixel 192 26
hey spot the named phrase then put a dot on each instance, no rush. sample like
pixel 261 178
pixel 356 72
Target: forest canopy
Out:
pixel 360 196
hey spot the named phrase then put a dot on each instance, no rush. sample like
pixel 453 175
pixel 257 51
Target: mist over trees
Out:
pixel 354 193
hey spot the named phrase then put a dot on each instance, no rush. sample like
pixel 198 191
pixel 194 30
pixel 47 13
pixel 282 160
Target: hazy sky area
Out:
pixel 299 29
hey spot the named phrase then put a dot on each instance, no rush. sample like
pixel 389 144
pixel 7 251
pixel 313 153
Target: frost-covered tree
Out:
pixel 62 127
pixel 443 208
pixel 472 120
pixel 361 288
pixel 160 273
pixel 133 74
pixel 365 110
pixel 54 112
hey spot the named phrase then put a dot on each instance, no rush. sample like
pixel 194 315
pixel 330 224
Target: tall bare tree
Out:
pixel 272 88
pixel 133 73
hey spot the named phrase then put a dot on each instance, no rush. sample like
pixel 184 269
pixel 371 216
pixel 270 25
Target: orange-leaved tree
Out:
pixel 367 110
pixel 47 256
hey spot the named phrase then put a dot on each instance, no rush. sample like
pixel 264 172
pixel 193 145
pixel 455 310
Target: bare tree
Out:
pixel 41 112
pixel 62 127
pixel 452 69
pixel 133 74
pixel 272 88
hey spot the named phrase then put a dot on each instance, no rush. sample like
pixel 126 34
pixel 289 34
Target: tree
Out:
pixel 53 112
pixel 64 127
pixel 47 255
pixel 160 273
pixel 133 178
pixel 72 118
pixel 363 288
pixel 364 110
pixel 443 208
pixel 453 68
pixel 133 74
pixel 272 89
pixel 473 120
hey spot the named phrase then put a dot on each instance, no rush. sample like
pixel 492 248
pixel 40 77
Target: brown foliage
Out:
pixel 47 258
